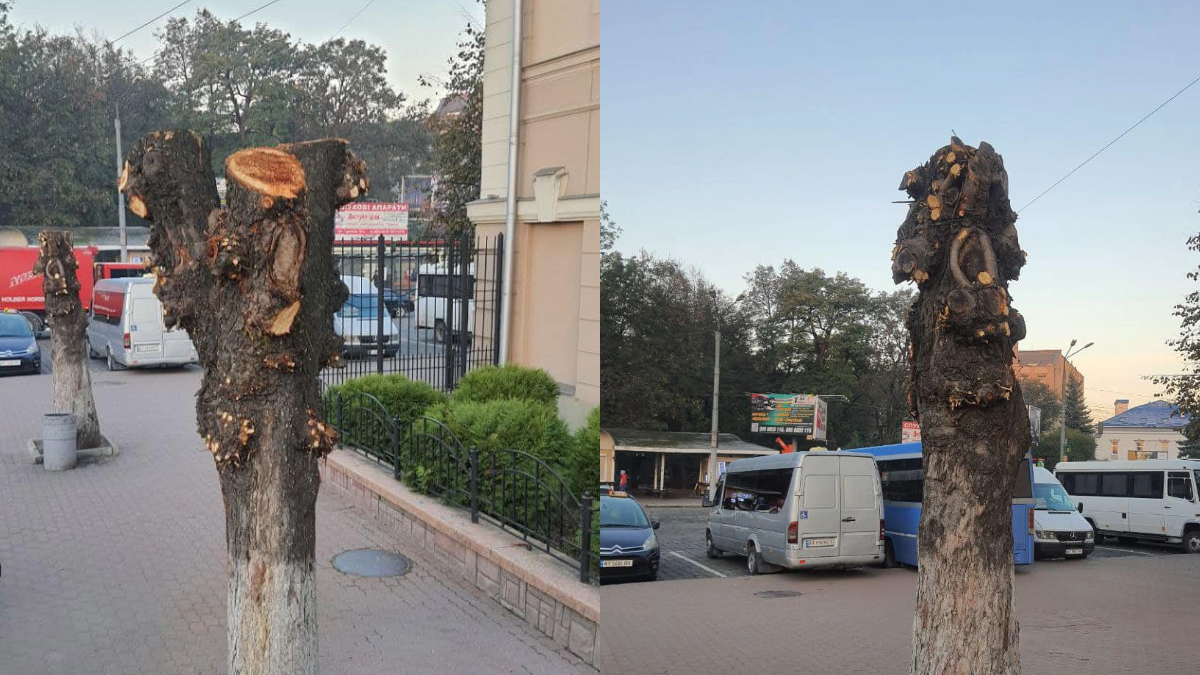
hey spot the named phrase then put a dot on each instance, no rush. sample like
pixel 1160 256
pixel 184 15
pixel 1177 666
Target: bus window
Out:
pixel 1179 486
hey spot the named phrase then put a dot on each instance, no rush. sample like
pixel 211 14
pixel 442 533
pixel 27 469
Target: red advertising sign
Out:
pixel 368 220
pixel 910 431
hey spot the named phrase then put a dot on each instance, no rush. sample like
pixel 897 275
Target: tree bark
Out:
pixel 255 287
pixel 68 330
pixel 959 245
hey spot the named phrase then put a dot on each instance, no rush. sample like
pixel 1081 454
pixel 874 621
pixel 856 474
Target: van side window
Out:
pixel 1086 484
pixel 1114 485
pixel 820 492
pixel 1068 482
pixel 773 488
pixel 1179 486
pixel 1147 484
pixel 740 490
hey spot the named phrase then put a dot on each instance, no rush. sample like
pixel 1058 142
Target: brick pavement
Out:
pixel 1112 614
pixel 118 565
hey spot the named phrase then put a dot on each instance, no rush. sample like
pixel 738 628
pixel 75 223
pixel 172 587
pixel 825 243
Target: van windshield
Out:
pixel 1051 497
pixel 361 305
pixel 621 512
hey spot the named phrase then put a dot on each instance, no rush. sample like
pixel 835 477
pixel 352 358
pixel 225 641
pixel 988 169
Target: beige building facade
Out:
pixel 1046 367
pixel 554 294
pixel 1150 431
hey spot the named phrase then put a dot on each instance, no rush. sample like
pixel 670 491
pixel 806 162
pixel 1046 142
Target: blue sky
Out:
pixel 419 35
pixel 737 135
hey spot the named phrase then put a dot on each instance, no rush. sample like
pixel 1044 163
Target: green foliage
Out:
pixel 510 381
pixel 491 426
pixel 583 466
pixel 1081 447
pixel 1078 416
pixel 406 400
pixel 1184 389
pixel 458 145
pixel 1038 394
pixel 609 230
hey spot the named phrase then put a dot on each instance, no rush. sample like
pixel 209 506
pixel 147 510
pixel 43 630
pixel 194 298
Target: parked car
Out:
pixel 1150 499
pixel 357 322
pixel 439 289
pixel 798 510
pixel 628 545
pixel 19 351
pixel 1059 531
pixel 125 327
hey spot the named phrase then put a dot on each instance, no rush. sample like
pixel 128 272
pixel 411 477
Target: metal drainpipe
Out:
pixel 510 210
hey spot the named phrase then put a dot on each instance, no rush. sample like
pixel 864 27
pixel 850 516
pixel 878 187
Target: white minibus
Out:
pixel 440 289
pixel 125 327
pixel 1059 531
pixel 1151 499
pixel 798 510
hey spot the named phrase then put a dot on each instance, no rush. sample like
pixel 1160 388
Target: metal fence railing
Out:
pixel 511 488
pixel 429 310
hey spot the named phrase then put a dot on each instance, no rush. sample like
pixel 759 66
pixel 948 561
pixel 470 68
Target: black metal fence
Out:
pixel 511 488
pixel 427 310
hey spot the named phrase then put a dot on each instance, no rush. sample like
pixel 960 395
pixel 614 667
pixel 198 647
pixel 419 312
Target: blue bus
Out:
pixel 903 480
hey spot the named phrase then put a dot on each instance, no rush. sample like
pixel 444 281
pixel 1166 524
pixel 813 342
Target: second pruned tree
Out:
pixel 959 244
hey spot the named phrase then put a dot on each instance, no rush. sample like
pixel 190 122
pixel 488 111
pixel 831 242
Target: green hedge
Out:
pixel 404 399
pixel 495 383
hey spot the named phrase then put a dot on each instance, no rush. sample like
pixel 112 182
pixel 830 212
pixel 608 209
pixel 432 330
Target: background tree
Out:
pixel 1081 447
pixel 254 286
pixel 458 143
pixel 1077 413
pixel 1039 394
pixel 959 244
pixel 1184 389
pixel 72 379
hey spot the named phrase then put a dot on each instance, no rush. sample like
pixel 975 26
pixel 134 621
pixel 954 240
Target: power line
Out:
pixel 149 22
pixel 1097 153
pixel 255 10
pixel 360 11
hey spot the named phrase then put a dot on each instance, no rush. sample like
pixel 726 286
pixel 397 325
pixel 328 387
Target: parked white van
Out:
pixel 357 322
pixel 1151 499
pixel 799 510
pixel 439 289
pixel 125 327
pixel 1059 531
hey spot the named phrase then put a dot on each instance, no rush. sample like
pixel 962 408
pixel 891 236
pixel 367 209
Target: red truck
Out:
pixel 21 289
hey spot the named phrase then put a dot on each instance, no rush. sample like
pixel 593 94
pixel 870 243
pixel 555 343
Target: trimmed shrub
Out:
pixel 584 463
pixel 406 400
pixel 510 381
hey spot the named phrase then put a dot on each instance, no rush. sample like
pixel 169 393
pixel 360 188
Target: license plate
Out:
pixel 1074 551
pixel 616 563
pixel 10 363
pixel 818 543
pixel 146 348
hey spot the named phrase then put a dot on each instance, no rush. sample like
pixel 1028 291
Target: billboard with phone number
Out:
pixel 792 414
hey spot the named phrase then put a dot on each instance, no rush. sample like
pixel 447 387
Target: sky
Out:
pixel 419 35
pixel 736 136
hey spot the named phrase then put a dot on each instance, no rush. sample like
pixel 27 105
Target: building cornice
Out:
pixel 570 208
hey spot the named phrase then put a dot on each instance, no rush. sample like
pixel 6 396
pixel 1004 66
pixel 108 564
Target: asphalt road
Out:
pixel 681 537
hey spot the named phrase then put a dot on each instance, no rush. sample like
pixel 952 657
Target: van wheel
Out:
pixel 439 331
pixel 1128 541
pixel 1191 541
pixel 710 549
pixel 90 352
pixel 754 564
pixel 889 555
pixel 110 361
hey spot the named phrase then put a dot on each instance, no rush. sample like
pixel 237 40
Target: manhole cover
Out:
pixel 777 594
pixel 370 562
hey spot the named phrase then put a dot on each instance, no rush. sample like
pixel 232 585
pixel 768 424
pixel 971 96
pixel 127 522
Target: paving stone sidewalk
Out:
pixel 118 566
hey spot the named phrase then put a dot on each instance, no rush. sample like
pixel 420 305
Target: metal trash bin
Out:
pixel 59 450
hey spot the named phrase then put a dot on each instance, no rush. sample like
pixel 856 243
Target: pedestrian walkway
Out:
pixel 118 566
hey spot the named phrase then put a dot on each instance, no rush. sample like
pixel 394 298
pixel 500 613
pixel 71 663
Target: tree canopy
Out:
pixel 240 86
pixel 795 330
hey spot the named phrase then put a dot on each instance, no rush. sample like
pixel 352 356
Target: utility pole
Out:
pixel 712 452
pixel 121 195
pixel 1062 401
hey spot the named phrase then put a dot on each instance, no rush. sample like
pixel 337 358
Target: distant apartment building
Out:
pixel 1046 367
pixel 554 294
pixel 1150 431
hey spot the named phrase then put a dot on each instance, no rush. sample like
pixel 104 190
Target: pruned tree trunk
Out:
pixel 960 246
pixel 254 285
pixel 68 331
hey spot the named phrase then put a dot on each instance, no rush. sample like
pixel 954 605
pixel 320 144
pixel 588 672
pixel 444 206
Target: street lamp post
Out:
pixel 712 450
pixel 1062 401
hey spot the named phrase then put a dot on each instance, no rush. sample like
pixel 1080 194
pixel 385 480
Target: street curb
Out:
pixel 543 591
pixel 110 450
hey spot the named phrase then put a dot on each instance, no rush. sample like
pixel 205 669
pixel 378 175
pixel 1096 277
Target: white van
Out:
pixel 1151 499
pixel 799 510
pixel 357 322
pixel 1059 531
pixel 125 327
pixel 439 289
